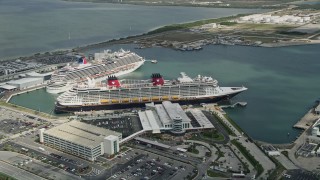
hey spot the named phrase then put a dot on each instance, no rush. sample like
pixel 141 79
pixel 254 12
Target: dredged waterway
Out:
pixel 33 26
pixel 282 82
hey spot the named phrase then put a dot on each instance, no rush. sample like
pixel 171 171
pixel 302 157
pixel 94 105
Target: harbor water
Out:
pixel 33 26
pixel 283 82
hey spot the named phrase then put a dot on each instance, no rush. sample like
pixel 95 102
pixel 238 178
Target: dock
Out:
pixel 242 104
pixel 307 120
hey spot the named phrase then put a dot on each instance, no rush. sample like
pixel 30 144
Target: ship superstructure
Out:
pixel 119 94
pixel 105 64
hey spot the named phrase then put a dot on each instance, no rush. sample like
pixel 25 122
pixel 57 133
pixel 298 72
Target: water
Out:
pixel 38 100
pixel 283 82
pixel 32 26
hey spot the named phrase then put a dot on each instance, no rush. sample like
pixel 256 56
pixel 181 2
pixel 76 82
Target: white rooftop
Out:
pixel 8 87
pixel 111 138
pixel 81 133
pixel 38 74
pixel 23 80
pixel 201 118
pixel 148 121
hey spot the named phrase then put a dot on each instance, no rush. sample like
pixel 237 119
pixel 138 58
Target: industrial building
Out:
pixel 44 76
pixel 270 19
pixel 26 82
pixel 171 117
pixel 81 139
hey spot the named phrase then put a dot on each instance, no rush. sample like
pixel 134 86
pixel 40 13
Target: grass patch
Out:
pixel 286 153
pixel 215 174
pixel 294 33
pixel 213 134
pixel 193 149
pixel 228 23
pixel 249 157
pixel 6 177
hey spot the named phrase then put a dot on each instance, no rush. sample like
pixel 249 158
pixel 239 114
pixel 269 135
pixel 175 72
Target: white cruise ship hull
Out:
pixel 61 89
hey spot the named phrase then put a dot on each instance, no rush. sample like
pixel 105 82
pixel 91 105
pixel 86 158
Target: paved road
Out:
pixel 266 163
pixel 203 167
pixel 17 173
pixel 286 162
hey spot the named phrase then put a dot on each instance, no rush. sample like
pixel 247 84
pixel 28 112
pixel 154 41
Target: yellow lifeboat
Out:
pixel 155 98
pixel 175 97
pixel 104 101
pixel 114 100
pixel 135 99
pixel 165 97
pixel 145 99
pixel 125 100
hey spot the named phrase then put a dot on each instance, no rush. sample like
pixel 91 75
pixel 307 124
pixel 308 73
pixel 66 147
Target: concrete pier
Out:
pixel 307 120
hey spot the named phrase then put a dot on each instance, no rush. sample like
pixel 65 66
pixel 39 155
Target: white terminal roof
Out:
pixel 24 80
pixel 8 87
pixel 81 133
pixel 149 121
pixel 201 118
pixel 162 114
pixel 174 110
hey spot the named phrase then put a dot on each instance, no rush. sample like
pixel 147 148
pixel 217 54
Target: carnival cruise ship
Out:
pixel 119 94
pixel 105 64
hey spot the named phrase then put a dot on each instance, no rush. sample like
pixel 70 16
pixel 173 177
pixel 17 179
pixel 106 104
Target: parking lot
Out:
pixel 35 166
pixel 141 164
pixel 12 122
pixel 69 165
pixel 126 125
pixel 301 175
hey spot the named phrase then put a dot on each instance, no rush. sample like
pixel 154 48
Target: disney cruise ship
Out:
pixel 119 94
pixel 105 64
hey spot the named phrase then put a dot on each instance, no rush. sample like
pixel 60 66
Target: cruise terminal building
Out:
pixel 81 139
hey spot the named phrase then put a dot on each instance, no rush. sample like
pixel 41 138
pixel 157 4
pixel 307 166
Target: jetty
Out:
pixel 307 120
pixel 242 104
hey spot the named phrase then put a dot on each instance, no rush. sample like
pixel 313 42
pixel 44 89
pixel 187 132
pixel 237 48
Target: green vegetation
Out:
pixel 5 177
pixel 249 157
pixel 279 169
pixel 193 149
pixel 294 33
pixel 285 153
pixel 193 24
pixel 215 174
pixel 213 135
pixel 230 132
pixel 228 23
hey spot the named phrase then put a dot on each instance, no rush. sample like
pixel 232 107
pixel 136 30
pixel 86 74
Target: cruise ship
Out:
pixel 105 64
pixel 120 94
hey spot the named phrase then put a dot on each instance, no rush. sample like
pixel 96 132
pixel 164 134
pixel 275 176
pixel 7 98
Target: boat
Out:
pixel 154 61
pixel 105 64
pixel 128 93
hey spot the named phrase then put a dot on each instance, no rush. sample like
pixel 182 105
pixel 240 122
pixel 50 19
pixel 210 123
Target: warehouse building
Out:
pixel 26 82
pixel 44 76
pixel 81 139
